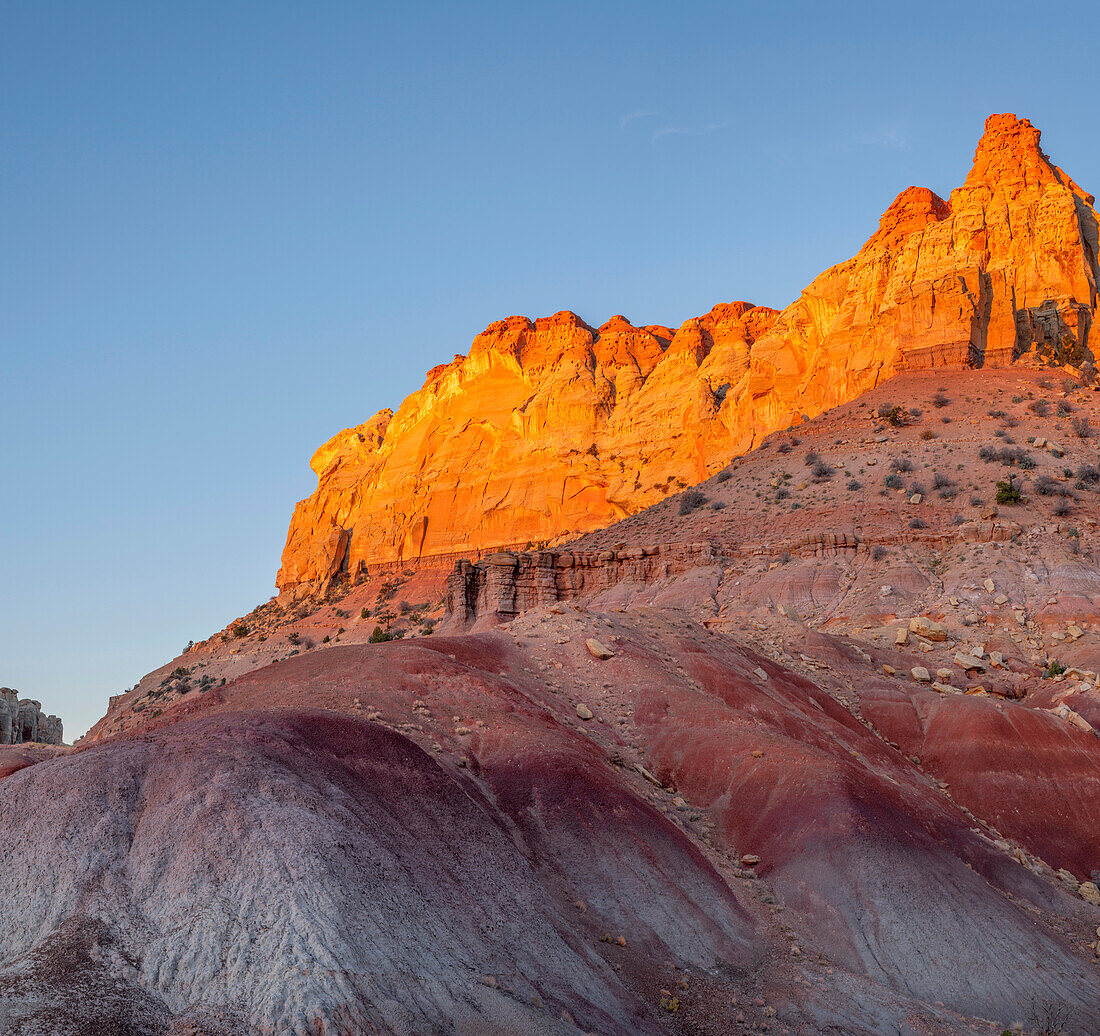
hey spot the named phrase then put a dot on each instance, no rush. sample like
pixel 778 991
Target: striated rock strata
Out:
pixel 550 428
pixel 23 721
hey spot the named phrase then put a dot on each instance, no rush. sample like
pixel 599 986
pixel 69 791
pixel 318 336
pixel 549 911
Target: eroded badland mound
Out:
pixel 551 428
pixel 808 748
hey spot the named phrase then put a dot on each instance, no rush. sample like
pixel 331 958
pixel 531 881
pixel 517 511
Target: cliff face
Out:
pixel 551 428
pixel 23 721
pixel 545 429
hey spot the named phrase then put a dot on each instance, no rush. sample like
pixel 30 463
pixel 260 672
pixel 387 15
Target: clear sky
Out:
pixel 231 229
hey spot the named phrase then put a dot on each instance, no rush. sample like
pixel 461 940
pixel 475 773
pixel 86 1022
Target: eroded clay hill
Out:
pixel 551 428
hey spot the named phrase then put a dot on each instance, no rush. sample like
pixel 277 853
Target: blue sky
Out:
pixel 231 229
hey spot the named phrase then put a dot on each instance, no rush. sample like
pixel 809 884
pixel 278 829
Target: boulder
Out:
pixel 928 628
pixel 598 650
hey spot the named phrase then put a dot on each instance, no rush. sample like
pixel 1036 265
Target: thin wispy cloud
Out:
pixel 634 116
pixel 892 138
pixel 889 137
pixel 687 131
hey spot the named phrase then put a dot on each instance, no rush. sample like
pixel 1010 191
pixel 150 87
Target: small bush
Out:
pixel 939 400
pixel 1082 428
pixel 878 552
pixel 917 523
pixel 854 485
pixel 1040 408
pixel 691 500
pixel 822 471
pixel 893 481
pixel 812 457
pixel 725 475
pixel 1062 508
pixel 927 434
pixel 975 500
pixel 380 635
pixel 1008 492
pixel 1089 474
pixel 901 464
pixel 239 629
pixel 718 505
pixel 1054 668
pixel 783 447
pixel 940 481
pixel 897 416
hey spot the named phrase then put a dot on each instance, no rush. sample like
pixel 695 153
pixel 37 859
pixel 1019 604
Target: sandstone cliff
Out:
pixel 551 428
pixel 23 721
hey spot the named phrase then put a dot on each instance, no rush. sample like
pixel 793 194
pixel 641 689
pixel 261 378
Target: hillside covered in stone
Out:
pixel 549 428
pixel 808 749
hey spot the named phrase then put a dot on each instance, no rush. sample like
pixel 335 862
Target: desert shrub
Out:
pixel 1089 474
pixel 901 464
pixel 894 415
pixel 812 457
pixel 1065 408
pixel 782 493
pixel 1082 428
pixel 940 400
pixel 878 552
pixel 975 500
pixel 1062 508
pixel 927 434
pixel 941 481
pixel 917 523
pixel 1054 668
pixel 1007 455
pixel 893 481
pixel 690 500
pixel 1040 408
pixel 821 470
pixel 239 629
pixel 1008 492
pixel 380 635
pixel 718 505
pixel 854 485
pixel 958 520
pixel 917 487
pixel 783 447
pixel 725 475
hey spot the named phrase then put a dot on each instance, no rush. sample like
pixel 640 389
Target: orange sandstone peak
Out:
pixel 549 428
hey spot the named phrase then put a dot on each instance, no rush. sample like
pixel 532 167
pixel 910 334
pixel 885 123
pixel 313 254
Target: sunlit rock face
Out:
pixel 550 428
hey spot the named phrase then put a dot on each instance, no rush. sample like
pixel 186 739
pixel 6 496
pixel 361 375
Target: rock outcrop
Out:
pixel 23 721
pixel 547 428
pixel 551 428
pixel 505 584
